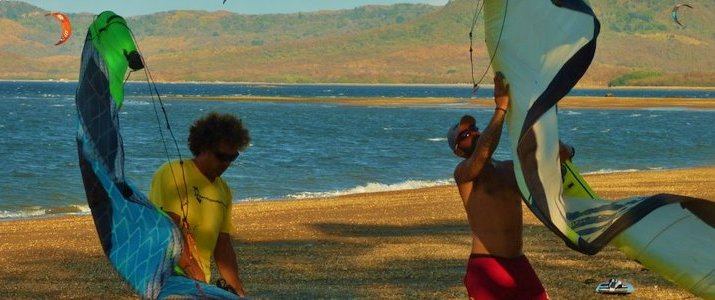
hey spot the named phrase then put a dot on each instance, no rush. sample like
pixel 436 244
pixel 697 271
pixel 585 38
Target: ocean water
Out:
pixel 303 150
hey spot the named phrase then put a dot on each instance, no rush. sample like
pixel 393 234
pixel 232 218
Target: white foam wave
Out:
pixel 610 171
pixel 668 109
pixel 253 199
pixel 437 139
pixel 4 214
pixel 51 95
pixel 42 212
pixel 373 187
pixel 136 102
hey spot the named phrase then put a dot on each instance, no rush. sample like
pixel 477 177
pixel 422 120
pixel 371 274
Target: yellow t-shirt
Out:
pixel 209 205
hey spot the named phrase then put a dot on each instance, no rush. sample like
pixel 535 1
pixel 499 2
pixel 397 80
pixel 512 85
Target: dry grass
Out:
pixel 405 244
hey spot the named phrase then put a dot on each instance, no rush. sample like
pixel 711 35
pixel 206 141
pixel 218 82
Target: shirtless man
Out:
pixel 497 267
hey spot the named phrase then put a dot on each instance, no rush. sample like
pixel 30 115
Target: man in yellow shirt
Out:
pixel 195 196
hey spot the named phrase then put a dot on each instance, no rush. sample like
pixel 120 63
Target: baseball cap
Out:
pixel 454 131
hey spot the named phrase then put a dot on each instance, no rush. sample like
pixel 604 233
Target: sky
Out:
pixel 129 8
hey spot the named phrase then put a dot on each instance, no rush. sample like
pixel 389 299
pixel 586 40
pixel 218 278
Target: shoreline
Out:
pixel 74 210
pixel 393 244
pixel 568 102
pixel 605 101
pixel 465 84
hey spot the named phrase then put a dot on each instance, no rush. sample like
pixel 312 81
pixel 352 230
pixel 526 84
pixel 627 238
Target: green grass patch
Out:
pixel 630 78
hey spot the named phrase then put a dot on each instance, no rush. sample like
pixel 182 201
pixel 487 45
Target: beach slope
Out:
pixel 403 244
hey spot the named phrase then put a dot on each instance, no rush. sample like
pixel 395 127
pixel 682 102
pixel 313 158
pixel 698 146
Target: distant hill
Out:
pixel 405 43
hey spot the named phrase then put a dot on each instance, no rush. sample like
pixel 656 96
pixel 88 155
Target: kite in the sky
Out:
pixel 543 48
pixel 65 26
pixel 142 243
pixel 674 13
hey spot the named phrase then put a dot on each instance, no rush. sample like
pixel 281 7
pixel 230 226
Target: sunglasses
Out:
pixel 467 132
pixel 226 157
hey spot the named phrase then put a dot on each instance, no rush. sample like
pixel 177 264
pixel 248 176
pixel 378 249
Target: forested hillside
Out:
pixel 407 43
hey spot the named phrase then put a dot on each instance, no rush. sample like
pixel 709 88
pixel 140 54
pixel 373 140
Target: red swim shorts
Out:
pixel 491 277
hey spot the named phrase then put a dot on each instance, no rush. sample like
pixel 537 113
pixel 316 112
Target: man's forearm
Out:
pixel 230 274
pixel 489 140
pixel 226 263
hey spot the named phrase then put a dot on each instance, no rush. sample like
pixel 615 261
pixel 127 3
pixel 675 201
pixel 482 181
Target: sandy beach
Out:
pixel 571 102
pixel 389 245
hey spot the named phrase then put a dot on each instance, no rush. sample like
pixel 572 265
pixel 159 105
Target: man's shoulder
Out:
pixel 173 164
pixel 225 188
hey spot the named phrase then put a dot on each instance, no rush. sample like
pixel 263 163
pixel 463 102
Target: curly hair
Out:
pixel 214 128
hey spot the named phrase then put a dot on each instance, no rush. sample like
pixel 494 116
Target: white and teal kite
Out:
pixel 543 48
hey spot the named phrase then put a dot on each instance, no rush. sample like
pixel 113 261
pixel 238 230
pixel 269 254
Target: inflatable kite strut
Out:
pixel 142 243
pixel 544 49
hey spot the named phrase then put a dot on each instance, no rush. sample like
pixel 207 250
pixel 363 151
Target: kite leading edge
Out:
pixel 65 26
pixel 674 13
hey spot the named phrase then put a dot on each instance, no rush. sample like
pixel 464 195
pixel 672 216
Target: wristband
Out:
pixel 500 108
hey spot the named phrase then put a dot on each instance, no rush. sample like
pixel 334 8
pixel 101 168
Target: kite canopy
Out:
pixel 142 243
pixel 64 25
pixel 543 48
